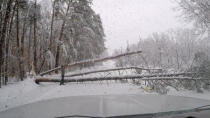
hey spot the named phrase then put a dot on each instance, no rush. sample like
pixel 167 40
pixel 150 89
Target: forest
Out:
pixel 41 35
pixel 104 58
pixel 36 34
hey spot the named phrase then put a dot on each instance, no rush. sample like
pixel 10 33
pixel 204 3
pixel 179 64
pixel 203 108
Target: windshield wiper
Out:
pixel 149 115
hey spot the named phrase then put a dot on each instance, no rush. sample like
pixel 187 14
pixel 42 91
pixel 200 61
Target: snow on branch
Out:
pixel 91 61
pixel 108 70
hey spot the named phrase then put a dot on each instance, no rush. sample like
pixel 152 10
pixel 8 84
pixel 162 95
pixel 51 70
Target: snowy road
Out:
pixel 27 91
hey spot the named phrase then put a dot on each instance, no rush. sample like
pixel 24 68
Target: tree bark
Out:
pixel 51 30
pixel 131 77
pixel 29 46
pixel 51 27
pixel 18 41
pixel 177 59
pixel 60 38
pixel 35 39
pixel 22 49
pixel 3 34
pixel 7 46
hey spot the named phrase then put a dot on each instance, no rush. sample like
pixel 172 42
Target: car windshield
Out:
pixel 104 58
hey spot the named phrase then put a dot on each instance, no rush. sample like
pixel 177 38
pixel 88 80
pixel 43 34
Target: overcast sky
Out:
pixel 127 20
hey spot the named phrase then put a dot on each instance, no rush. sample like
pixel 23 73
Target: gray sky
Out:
pixel 127 20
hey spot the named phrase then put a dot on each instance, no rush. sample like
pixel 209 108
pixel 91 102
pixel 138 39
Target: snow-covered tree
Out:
pixel 197 11
pixel 42 34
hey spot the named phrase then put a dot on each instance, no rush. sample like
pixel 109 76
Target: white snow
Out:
pixel 27 91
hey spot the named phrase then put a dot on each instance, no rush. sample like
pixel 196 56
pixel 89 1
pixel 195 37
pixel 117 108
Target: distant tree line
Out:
pixel 46 34
pixel 177 50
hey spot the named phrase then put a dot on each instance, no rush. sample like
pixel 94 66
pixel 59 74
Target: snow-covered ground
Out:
pixel 27 91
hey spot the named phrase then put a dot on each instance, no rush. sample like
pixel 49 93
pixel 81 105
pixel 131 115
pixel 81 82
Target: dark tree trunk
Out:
pixel 22 73
pixel 35 40
pixel 58 47
pixel 1 17
pixel 18 40
pixel 51 30
pixel 7 47
pixel 29 46
pixel 51 27
pixel 60 39
pixel 3 34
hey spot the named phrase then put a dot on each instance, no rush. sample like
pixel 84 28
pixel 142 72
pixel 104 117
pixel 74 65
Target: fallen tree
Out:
pixel 108 70
pixel 141 77
pixel 44 79
pixel 90 61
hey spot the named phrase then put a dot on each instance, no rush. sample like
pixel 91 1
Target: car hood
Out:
pixel 103 106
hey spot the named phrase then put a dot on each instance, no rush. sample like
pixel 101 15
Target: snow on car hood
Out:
pixel 103 105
